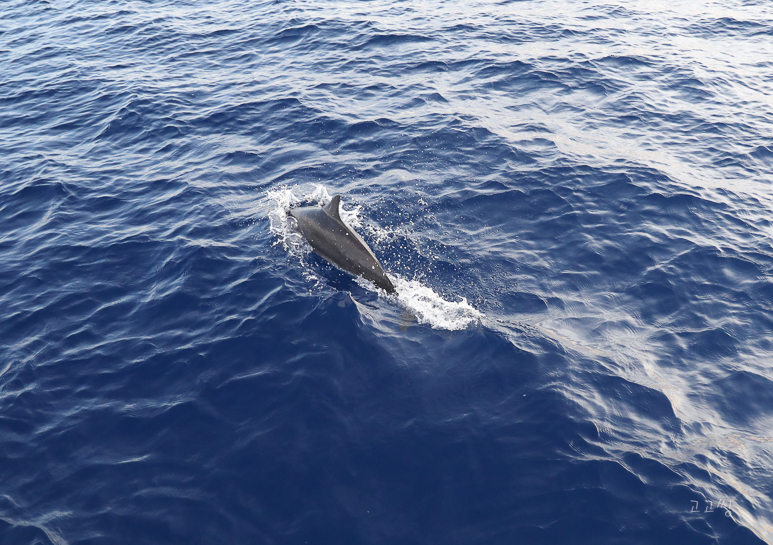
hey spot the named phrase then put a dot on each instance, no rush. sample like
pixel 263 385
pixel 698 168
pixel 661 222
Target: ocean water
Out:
pixel 574 200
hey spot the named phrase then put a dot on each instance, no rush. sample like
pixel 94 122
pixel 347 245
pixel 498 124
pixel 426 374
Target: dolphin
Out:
pixel 332 239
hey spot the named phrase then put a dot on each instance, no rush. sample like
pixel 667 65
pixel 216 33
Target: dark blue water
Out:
pixel 573 198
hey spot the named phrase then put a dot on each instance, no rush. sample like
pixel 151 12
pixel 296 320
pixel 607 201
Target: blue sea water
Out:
pixel 573 198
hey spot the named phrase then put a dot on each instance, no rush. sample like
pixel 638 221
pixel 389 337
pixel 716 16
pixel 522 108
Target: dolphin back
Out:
pixel 339 244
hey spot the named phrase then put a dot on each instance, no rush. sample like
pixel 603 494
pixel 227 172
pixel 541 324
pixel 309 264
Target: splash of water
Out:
pixel 430 308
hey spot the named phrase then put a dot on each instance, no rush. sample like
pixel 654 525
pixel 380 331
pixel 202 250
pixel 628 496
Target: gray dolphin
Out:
pixel 338 243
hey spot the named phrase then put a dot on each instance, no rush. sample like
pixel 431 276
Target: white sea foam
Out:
pixel 280 202
pixel 419 300
pixel 430 308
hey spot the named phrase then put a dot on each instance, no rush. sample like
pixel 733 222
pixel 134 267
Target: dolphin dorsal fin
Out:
pixel 332 207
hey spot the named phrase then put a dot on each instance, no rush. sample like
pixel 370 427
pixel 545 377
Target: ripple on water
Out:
pixel 572 203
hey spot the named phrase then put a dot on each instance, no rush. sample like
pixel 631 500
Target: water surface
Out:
pixel 573 198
